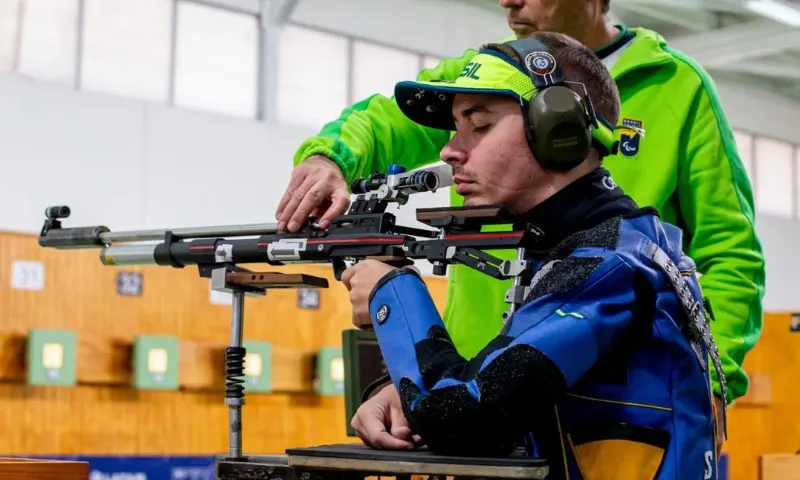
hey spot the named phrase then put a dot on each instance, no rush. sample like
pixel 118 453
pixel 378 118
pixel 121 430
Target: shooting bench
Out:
pixel 357 462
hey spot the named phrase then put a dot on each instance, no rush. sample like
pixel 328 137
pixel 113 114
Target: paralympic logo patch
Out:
pixel 631 137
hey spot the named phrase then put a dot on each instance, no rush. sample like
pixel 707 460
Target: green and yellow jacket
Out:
pixel 685 165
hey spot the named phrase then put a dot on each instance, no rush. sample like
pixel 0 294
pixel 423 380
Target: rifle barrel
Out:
pixel 100 236
pixel 191 232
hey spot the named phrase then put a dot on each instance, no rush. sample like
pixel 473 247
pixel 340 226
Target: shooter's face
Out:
pixel 489 154
pixel 563 16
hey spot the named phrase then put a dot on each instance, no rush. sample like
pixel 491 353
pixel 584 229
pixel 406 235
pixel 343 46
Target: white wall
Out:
pixel 437 27
pixel 772 116
pixel 760 112
pixel 132 165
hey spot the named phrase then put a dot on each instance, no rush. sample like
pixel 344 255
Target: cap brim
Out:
pixel 430 104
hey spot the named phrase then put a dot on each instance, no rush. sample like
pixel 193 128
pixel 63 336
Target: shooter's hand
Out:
pixel 360 279
pixel 317 187
pixel 379 422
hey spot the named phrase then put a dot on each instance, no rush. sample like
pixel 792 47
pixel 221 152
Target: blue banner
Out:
pixel 144 468
pixel 187 468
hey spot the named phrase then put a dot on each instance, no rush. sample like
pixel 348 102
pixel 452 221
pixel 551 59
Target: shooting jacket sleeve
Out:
pixel 486 405
pixel 373 133
pixel 716 204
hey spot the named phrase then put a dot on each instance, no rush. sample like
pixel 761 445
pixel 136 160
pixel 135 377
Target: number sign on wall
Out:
pixel 130 284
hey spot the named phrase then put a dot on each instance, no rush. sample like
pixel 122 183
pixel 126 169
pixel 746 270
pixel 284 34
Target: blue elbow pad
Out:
pixel 403 315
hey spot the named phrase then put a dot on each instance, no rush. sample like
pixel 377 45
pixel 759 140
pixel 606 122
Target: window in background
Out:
pixel 376 69
pixel 774 176
pixel 126 47
pixel 312 77
pixel 9 22
pixel 49 39
pixel 216 60
pixel 430 62
pixel 744 144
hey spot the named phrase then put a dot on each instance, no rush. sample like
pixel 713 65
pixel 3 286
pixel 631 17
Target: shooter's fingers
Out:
pixel 371 429
pixel 347 276
pixel 296 197
pixel 399 425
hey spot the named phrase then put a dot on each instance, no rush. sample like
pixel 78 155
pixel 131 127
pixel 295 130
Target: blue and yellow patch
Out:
pixel 632 132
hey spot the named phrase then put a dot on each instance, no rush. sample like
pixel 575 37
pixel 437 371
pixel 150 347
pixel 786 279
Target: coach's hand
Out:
pixel 379 422
pixel 317 187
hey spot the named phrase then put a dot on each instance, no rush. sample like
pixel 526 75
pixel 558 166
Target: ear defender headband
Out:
pixel 560 126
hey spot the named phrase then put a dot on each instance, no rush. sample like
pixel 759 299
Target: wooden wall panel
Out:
pixel 80 295
pixel 767 420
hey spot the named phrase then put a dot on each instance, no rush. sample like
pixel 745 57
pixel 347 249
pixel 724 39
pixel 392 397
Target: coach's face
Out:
pixel 489 154
pixel 563 16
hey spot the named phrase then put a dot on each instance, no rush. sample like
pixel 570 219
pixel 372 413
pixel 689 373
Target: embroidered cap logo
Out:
pixel 540 63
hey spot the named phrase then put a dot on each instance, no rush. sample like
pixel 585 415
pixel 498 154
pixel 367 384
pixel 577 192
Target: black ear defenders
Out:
pixel 560 126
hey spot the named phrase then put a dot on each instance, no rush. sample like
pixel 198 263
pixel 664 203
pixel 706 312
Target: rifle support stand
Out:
pixel 240 282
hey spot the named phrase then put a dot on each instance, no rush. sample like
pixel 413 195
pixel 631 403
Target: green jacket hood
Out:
pixel 647 50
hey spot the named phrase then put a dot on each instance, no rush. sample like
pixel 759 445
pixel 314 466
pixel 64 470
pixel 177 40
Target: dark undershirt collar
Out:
pixel 581 205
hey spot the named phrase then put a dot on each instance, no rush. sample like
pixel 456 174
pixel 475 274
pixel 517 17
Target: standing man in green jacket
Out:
pixel 677 154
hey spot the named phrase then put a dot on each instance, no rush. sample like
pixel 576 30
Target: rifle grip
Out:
pixel 338 268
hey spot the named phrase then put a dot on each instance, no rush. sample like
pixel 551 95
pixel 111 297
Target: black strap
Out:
pixel 373 386
pixel 543 71
pixel 697 328
pixel 538 62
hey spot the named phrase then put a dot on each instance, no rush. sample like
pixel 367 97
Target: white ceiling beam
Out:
pixel 728 6
pixel 280 11
pixel 698 21
pixel 770 68
pixel 730 44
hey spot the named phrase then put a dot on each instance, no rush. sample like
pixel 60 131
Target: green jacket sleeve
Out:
pixel 716 202
pixel 374 133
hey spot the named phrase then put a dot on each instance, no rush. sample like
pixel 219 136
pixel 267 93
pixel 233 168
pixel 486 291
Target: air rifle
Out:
pixel 366 231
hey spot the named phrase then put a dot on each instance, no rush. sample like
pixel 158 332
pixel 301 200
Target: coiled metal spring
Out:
pixel 234 372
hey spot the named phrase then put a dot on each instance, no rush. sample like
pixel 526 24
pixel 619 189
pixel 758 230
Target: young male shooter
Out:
pixel 684 163
pixel 604 369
